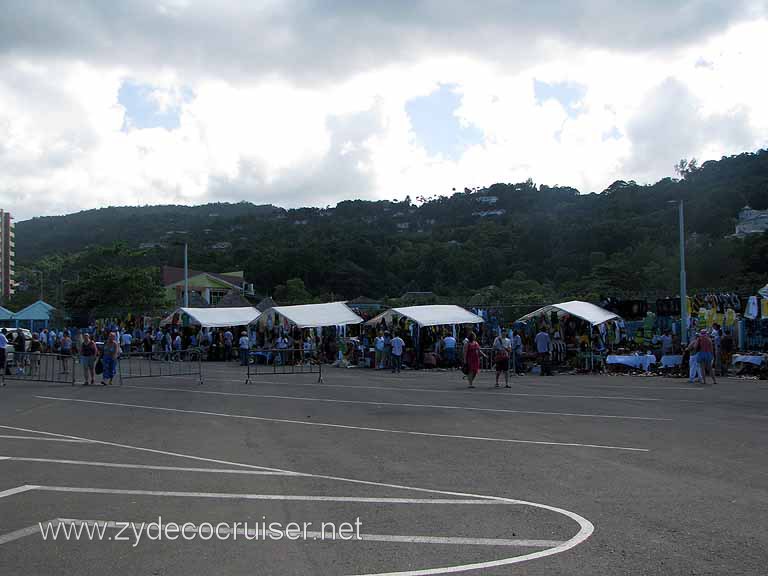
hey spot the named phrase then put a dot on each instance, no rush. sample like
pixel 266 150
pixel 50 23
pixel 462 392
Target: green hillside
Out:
pixel 530 243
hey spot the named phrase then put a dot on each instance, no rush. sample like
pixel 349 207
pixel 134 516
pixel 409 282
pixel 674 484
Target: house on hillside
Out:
pixel 362 305
pixel 486 213
pixel 211 287
pixel 751 221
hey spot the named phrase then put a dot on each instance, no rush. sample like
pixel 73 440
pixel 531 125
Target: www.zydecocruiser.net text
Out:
pixel 137 532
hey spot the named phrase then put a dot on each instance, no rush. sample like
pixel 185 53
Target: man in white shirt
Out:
pixel 543 348
pixel 245 346
pixel 398 345
pixel 127 339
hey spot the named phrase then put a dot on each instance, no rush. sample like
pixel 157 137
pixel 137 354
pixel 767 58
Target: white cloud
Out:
pixel 266 136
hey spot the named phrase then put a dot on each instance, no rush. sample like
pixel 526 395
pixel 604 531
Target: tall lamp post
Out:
pixel 41 281
pixel 683 289
pixel 186 275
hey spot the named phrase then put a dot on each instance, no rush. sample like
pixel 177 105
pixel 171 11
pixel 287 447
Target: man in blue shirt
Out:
pixel 543 348
pixel 398 345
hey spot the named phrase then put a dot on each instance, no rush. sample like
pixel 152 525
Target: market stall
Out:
pixel 214 317
pixel 316 330
pixel 316 315
pixel 430 315
pixel 581 332
pixel 424 329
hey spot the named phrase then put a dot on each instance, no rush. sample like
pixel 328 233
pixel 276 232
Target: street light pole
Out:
pixel 186 275
pixel 41 281
pixel 683 290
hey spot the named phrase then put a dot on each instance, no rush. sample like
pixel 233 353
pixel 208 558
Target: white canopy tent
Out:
pixel 584 310
pixel 430 315
pixel 218 317
pixel 317 315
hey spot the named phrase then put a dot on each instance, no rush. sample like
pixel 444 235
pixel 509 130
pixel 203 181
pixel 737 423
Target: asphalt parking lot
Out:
pixel 562 475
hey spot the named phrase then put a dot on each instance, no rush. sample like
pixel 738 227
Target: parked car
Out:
pixel 11 336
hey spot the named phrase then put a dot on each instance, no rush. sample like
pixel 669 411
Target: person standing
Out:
pixel 177 347
pixel 471 358
pixel 127 341
pixel 387 350
pixel 694 370
pixel 109 358
pixel 449 347
pixel 378 345
pixel 244 345
pixel 726 350
pixel 35 352
pixel 88 353
pixel 501 350
pixel 517 351
pixel 543 349
pixel 666 344
pixel 65 352
pixel 706 357
pixel 397 345
pixel 3 346
pixel 716 336
pixel 228 340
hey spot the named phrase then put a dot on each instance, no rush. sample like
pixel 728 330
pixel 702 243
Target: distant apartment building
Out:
pixel 7 254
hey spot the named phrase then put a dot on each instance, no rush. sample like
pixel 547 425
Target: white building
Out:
pixel 751 221
pixel 7 255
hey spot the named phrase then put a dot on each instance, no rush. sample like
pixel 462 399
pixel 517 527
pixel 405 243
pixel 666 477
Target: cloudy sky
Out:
pixel 302 102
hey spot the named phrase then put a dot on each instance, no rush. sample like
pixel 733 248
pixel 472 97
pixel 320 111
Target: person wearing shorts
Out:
pixel 88 353
pixel 501 349
pixel 705 357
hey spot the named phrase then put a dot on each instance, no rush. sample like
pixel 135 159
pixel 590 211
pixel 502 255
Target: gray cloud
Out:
pixel 671 127
pixel 315 40
pixel 337 176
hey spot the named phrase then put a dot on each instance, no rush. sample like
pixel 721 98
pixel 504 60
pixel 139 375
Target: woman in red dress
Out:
pixel 472 359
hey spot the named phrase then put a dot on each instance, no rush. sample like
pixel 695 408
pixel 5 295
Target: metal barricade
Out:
pixel 488 361
pixel 161 364
pixel 281 361
pixel 39 367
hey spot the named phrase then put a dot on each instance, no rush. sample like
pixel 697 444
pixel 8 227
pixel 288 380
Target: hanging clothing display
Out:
pixel 751 310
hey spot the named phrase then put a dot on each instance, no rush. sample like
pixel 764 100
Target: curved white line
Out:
pixel 586 528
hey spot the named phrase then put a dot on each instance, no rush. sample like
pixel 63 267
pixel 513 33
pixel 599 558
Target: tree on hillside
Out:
pixel 114 291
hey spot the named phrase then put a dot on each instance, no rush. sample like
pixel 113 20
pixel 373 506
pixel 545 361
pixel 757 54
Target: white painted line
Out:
pixel 346 426
pixel 239 496
pixel 502 392
pixel 24 532
pixel 144 466
pixel 405 405
pixel 586 528
pixel 17 490
pixel 10 437
pixel 310 535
